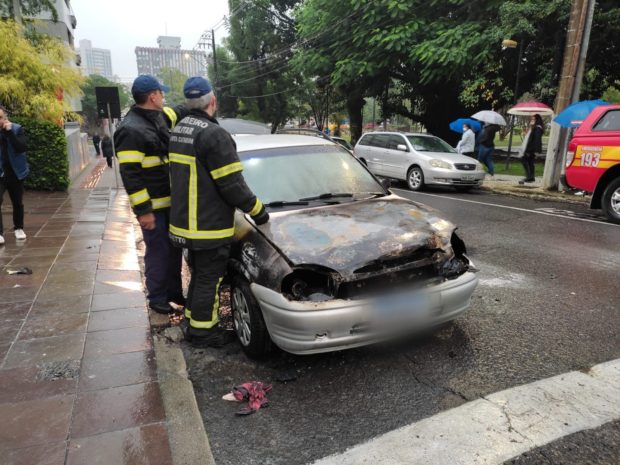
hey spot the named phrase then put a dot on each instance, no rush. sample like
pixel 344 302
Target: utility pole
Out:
pixel 217 79
pixel 575 51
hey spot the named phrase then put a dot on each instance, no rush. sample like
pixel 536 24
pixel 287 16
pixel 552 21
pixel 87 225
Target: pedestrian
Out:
pixel 468 141
pixel 141 143
pixel 205 171
pixel 96 141
pixel 487 146
pixel 13 171
pixel 532 146
pixel 106 148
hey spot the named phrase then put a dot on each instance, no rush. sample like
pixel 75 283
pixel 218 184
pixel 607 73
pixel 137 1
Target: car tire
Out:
pixel 415 178
pixel 464 188
pixel 611 201
pixel 248 320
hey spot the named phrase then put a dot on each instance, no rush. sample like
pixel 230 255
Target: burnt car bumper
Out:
pixel 302 327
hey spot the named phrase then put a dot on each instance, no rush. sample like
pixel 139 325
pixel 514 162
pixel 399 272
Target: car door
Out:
pixel 396 161
pixel 379 154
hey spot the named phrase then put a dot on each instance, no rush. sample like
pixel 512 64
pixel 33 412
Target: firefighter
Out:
pixel 142 149
pixel 207 186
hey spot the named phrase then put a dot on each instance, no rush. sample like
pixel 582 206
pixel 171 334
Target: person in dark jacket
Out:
pixel 486 146
pixel 533 146
pixel 141 143
pixel 13 171
pixel 207 186
pixel 107 150
pixel 96 141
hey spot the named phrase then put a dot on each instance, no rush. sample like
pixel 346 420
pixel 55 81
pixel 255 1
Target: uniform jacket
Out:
pixel 16 151
pixel 142 149
pixel 207 184
pixel 106 147
pixel 487 135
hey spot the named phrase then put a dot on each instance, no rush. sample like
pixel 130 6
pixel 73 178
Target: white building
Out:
pixel 169 54
pixel 95 60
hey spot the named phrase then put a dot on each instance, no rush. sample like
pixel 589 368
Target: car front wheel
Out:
pixel 415 178
pixel 248 320
pixel 611 201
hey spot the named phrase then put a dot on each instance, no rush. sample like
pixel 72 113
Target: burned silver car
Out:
pixel 342 262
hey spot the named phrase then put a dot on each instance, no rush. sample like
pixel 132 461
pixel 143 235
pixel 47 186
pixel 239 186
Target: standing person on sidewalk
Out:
pixel 96 141
pixel 142 149
pixel 13 171
pixel 204 155
pixel 487 146
pixel 533 145
pixel 106 148
pixel 468 141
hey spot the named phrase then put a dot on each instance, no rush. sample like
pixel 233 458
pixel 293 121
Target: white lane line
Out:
pixel 509 207
pixel 499 426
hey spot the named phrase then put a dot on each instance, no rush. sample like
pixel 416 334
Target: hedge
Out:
pixel 47 155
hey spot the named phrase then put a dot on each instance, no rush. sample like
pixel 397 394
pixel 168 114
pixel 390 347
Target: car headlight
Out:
pixel 441 164
pixel 479 166
pixel 309 285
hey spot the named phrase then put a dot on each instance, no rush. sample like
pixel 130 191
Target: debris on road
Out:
pixel 22 270
pixel 254 392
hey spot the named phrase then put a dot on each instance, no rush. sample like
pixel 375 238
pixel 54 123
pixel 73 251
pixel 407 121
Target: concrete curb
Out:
pixel 537 194
pixel 188 439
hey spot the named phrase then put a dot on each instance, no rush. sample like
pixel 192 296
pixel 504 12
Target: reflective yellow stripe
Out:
pixel 130 156
pixel 139 197
pixel 257 208
pixel 151 161
pixel 162 202
pixel 226 170
pixel 203 324
pixel 192 201
pixel 195 234
pixel 215 317
pixel 188 313
pixel 172 115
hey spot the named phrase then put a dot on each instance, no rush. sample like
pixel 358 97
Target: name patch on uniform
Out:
pixel 181 140
pixel 195 122
pixel 184 130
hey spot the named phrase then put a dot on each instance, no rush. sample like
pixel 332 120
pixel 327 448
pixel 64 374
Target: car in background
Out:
pixel 418 159
pixel 593 159
pixel 342 262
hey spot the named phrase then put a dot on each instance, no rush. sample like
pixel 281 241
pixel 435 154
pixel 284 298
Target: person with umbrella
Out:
pixel 486 138
pixel 468 141
pixel 533 145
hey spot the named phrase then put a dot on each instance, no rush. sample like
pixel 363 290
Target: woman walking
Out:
pixel 533 145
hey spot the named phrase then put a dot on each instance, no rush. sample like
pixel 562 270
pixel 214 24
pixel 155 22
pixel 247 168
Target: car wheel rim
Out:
pixel 615 201
pixel 241 317
pixel 415 178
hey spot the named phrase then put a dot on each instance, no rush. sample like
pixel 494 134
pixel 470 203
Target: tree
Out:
pixel 35 74
pixel 17 8
pixel 89 100
pixel 174 79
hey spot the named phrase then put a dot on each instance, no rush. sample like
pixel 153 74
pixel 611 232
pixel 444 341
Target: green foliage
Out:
pixel 89 100
pixel 612 94
pixel 29 8
pixel 47 155
pixel 174 79
pixel 35 73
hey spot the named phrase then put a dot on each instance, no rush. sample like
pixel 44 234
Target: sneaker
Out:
pixel 20 235
pixel 216 337
pixel 1 239
pixel 161 307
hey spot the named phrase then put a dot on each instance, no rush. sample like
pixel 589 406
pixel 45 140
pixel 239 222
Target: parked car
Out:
pixel 593 159
pixel 418 159
pixel 342 262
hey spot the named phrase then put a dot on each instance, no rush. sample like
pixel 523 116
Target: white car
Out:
pixel 418 159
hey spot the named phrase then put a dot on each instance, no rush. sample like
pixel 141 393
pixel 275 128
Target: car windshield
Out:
pixel 292 173
pixel 430 144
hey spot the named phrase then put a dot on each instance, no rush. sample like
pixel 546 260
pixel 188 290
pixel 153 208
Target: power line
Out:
pixel 259 96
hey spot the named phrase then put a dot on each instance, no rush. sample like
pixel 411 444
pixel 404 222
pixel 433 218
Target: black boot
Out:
pixel 202 338
pixel 161 307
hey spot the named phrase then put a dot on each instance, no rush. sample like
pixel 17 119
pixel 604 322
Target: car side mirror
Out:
pixel 402 147
pixel 386 183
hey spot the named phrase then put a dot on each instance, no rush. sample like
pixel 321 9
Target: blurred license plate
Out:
pixel 403 306
pixel 468 178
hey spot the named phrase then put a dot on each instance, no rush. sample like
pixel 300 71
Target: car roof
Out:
pixel 271 141
pixel 400 133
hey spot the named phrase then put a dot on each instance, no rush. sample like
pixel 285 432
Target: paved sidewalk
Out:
pixel 78 376
pixel 508 184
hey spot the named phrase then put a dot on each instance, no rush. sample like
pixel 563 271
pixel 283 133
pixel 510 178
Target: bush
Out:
pixel 47 155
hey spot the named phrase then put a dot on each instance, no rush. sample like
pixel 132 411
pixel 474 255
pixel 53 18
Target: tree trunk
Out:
pixel 355 105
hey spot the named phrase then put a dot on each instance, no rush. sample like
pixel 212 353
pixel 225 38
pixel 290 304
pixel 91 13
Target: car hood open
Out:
pixel 348 236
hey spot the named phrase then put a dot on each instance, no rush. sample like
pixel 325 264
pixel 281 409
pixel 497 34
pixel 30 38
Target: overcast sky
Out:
pixel 122 25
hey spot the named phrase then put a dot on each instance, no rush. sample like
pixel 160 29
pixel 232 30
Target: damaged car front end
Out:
pixel 337 274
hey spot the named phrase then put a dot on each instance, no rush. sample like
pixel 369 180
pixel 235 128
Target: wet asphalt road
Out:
pixel 548 302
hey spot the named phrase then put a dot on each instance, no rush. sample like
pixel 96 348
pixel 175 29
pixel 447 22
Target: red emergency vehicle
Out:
pixel 593 159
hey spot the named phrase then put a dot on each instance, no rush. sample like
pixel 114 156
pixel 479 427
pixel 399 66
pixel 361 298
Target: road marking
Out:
pixel 538 212
pixel 500 426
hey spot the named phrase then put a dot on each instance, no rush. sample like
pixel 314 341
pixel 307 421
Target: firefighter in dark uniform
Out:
pixel 141 143
pixel 207 186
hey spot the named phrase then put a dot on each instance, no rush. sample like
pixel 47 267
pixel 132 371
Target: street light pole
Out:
pixel 512 44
